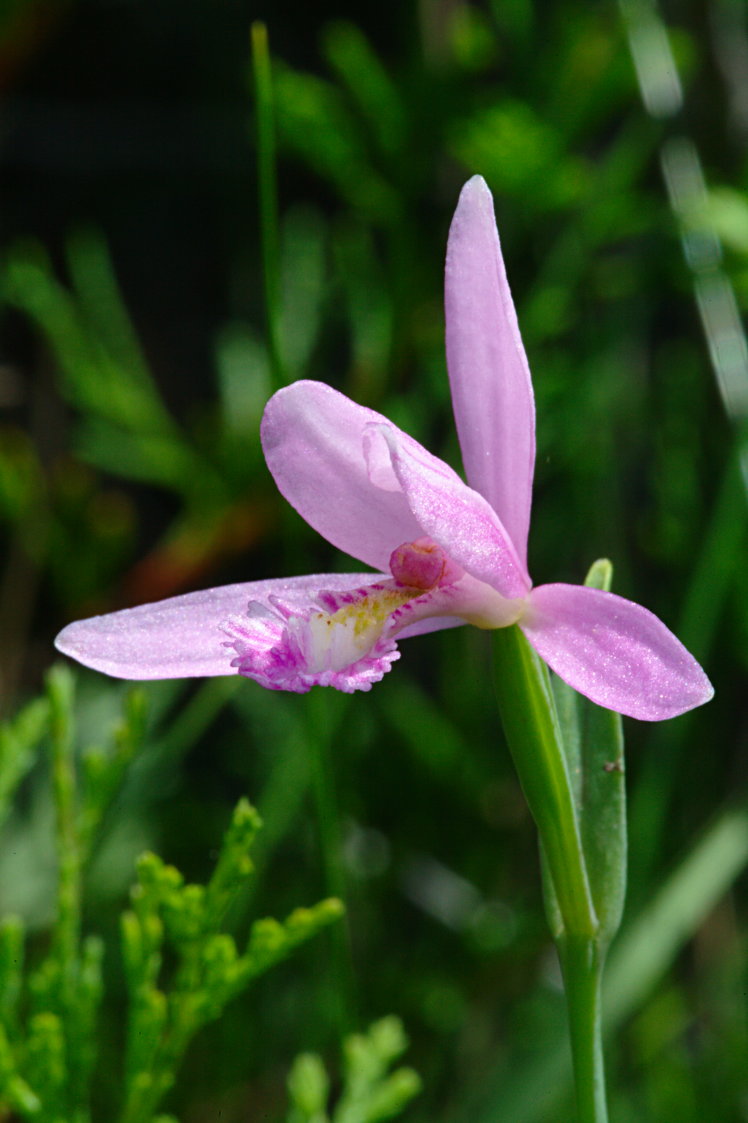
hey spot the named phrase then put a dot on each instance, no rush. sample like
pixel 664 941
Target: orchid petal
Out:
pixel 451 513
pixel 182 637
pixel 488 371
pixel 429 624
pixel 615 652
pixel 312 437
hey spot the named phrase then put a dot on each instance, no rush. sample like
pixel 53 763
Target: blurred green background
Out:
pixel 134 369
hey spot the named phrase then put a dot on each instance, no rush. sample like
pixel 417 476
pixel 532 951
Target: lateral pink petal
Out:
pixel 488 370
pixel 614 652
pixel 456 517
pixel 182 637
pixel 312 437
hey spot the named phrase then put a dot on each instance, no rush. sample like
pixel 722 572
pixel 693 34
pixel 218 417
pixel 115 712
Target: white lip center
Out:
pixel 332 641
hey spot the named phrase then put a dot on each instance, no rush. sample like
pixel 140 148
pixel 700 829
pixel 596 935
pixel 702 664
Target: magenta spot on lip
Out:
pixel 420 565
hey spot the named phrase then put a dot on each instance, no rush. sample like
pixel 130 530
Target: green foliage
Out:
pixel 128 428
pixel 49 1017
pixel 370 1092
pixel 19 740
pixel 210 970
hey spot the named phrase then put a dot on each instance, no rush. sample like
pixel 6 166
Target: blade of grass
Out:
pixel 268 195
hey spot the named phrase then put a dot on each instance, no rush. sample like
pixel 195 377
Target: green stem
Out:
pixel 67 927
pixel 528 715
pixel 582 964
pixel 268 195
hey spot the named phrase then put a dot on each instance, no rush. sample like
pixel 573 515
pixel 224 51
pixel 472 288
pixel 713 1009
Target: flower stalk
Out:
pixel 582 962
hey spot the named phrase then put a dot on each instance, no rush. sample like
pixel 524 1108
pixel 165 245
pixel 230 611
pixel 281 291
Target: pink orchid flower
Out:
pixel 446 553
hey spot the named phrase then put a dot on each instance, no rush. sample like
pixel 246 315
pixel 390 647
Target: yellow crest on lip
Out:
pixel 334 640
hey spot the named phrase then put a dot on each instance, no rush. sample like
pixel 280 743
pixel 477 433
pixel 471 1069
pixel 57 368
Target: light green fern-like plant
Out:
pixel 181 966
pixel 370 1094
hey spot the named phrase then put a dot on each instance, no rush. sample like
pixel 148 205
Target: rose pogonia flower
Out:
pixel 446 553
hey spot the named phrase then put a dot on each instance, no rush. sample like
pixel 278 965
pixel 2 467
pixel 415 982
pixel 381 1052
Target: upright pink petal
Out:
pixel 488 372
pixel 312 437
pixel 182 637
pixel 451 513
pixel 614 652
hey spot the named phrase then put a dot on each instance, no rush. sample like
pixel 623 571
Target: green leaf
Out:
pixel 592 739
pixel 376 96
pixel 314 120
